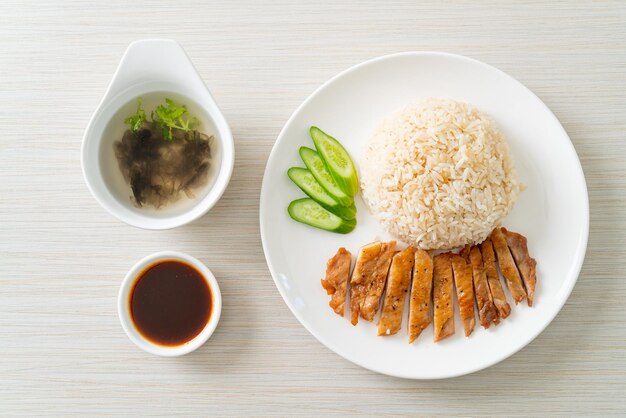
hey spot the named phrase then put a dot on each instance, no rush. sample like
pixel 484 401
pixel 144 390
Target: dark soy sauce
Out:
pixel 170 303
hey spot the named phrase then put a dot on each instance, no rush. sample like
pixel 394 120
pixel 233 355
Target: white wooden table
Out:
pixel 62 257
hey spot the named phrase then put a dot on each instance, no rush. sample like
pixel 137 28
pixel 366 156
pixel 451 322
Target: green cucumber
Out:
pixel 309 212
pixel 337 160
pixel 305 181
pixel 316 166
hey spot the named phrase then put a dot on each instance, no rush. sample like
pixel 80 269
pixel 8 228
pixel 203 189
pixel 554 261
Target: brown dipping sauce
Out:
pixel 170 303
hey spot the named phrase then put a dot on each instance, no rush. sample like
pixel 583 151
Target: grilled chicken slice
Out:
pixel 507 266
pixel 526 265
pixel 362 276
pixel 398 284
pixel 464 291
pixel 371 302
pixel 442 297
pixel 495 286
pixel 487 313
pixel 421 290
pixel 336 280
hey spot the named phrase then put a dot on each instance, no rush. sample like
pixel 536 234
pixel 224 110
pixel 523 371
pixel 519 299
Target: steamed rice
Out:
pixel 438 175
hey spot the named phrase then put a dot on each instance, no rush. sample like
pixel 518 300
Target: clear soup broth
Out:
pixel 121 189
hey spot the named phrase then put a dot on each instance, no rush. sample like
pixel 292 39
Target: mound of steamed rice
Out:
pixel 438 175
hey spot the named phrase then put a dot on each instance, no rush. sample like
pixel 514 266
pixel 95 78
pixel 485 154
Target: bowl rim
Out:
pixel 123 305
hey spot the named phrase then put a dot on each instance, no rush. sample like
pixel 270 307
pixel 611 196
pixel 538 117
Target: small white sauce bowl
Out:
pixel 153 69
pixel 123 305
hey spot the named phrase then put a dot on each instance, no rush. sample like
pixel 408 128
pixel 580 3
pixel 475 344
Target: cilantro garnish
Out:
pixel 172 116
pixel 136 121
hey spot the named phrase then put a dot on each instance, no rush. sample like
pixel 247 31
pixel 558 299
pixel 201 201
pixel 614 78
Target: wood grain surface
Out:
pixel 62 257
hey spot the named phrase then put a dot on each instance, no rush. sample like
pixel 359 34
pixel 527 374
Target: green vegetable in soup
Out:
pixel 173 116
pixel 136 121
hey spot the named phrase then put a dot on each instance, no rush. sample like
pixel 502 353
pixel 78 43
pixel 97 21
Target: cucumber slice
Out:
pixel 309 212
pixel 305 181
pixel 316 166
pixel 337 160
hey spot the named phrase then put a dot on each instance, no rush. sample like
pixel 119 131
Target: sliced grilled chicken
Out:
pixel 371 301
pixel 489 261
pixel 442 297
pixel 487 313
pixel 362 276
pixel 336 280
pixel 421 290
pixel 507 266
pixel 464 291
pixel 526 265
pixel 398 284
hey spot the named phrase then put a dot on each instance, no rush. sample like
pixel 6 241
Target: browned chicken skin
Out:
pixel 369 278
pixel 464 291
pixel 361 277
pixel 495 286
pixel 421 290
pixel 527 265
pixel 487 313
pixel 474 273
pixel 507 266
pixel 374 292
pixel 398 284
pixel 442 297
pixel 336 280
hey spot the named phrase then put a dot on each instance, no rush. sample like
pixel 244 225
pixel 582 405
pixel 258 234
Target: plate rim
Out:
pixel 573 273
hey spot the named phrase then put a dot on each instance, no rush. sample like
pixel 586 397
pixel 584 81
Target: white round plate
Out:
pixel 553 212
